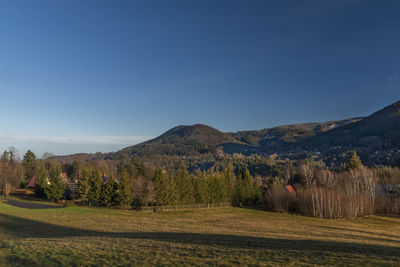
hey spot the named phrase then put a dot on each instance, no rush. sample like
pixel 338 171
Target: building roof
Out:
pixel 290 189
pixel 65 177
pixel 32 182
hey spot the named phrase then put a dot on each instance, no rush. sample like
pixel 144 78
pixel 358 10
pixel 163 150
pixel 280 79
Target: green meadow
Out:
pixel 82 236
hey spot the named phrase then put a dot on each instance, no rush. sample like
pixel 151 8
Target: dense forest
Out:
pixel 306 186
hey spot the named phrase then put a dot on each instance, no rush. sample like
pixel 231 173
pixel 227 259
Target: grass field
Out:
pixel 230 236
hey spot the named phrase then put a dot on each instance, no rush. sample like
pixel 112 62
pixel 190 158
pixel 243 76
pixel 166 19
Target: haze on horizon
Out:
pixel 88 76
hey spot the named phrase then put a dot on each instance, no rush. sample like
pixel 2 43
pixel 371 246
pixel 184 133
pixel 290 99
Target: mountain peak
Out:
pixel 197 133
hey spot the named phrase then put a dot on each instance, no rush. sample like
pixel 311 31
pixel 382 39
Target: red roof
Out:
pixel 65 177
pixel 32 182
pixel 290 189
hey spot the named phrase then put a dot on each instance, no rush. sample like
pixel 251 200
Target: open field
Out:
pixel 228 236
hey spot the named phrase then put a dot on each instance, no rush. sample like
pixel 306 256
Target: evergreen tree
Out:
pixel 109 192
pixel 247 182
pixel 138 167
pixel 83 186
pixel 229 181
pixel 173 192
pixel 4 157
pixel 246 189
pixel 30 165
pixel 184 186
pixel 200 188
pixel 354 161
pixel 251 190
pixel 41 182
pixel 239 192
pixel 162 188
pixel 95 184
pixel 124 189
pixel 215 187
pixel 12 155
pixel 56 186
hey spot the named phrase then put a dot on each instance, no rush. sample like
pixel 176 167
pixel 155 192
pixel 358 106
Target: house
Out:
pixel 289 189
pixel 70 187
pixel 65 177
pixel 32 183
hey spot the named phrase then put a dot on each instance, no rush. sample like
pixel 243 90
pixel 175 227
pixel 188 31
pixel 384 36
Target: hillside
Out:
pixel 80 236
pixel 279 138
pixel 381 130
pixel 376 138
pixel 200 139
pixel 182 140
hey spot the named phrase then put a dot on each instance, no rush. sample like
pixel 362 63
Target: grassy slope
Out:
pixel 233 236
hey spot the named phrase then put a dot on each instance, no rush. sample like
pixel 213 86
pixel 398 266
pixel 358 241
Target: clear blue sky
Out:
pixel 85 76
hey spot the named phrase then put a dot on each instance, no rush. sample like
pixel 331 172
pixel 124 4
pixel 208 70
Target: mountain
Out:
pixel 376 138
pixel 286 136
pixel 200 139
pixel 182 140
pixel 379 131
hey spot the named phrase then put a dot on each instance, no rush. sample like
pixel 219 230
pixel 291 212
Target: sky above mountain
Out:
pixel 92 75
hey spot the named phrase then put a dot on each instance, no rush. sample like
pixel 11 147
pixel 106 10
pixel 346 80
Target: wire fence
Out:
pixel 178 207
pixel 184 207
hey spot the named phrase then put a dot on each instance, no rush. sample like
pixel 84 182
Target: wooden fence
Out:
pixel 184 207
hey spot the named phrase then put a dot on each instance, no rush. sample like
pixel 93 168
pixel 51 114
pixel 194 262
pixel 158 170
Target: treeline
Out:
pixel 320 192
pixel 165 187
pixel 130 181
pixel 178 187
pixel 13 172
pixel 160 186
pixel 94 188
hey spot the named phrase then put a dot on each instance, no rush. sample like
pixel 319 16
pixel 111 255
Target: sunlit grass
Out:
pixel 230 236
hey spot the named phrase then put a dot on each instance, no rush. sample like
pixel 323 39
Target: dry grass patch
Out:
pixel 79 236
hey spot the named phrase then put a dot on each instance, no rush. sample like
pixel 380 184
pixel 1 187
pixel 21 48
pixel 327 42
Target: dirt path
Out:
pixel 30 205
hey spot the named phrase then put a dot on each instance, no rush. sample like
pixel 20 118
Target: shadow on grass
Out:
pixel 253 207
pixel 389 237
pixel 26 228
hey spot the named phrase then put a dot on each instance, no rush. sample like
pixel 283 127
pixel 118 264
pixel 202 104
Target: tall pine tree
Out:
pixel 56 186
pixel 30 165
pixel 83 186
pixel 95 184
pixel 229 183
pixel 41 182
pixel 184 185
pixel 200 188
pixel 109 192
pixel 124 189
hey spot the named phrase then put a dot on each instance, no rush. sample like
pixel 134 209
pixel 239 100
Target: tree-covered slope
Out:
pixel 379 131
pixel 182 140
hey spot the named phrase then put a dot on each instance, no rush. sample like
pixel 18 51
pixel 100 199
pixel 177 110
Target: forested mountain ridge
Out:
pixel 380 130
pixel 376 137
pixel 199 139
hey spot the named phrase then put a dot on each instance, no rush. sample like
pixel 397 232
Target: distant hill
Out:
pixel 376 137
pixel 284 137
pixel 379 131
pixel 200 139
pixel 182 140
